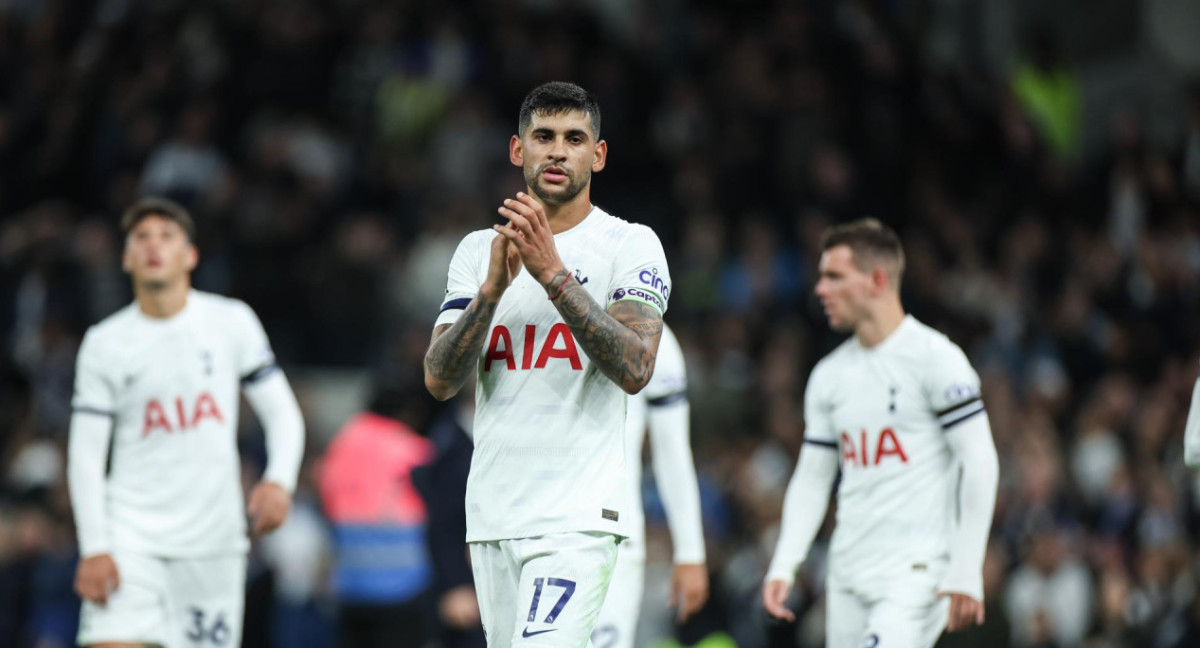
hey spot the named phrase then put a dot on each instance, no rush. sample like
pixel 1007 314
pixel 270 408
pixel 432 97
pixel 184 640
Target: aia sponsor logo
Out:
pixel 178 416
pixel 559 344
pixel 865 454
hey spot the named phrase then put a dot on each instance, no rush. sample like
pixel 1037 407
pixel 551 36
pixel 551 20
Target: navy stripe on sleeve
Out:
pixel 956 407
pixel 83 409
pixel 832 445
pixel 947 426
pixel 459 304
pixel 259 374
pixel 674 397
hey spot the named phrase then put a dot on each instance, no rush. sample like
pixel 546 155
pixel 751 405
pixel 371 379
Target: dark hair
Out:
pixel 871 242
pixel 556 98
pixel 168 209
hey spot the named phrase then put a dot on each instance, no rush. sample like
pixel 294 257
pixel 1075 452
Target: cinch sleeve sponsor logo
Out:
pixel 657 283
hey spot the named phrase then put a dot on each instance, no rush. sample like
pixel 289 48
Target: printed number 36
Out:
pixel 217 633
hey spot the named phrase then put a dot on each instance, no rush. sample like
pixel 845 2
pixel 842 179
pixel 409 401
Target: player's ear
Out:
pixel 600 156
pixel 516 152
pixel 879 278
pixel 193 257
pixel 127 260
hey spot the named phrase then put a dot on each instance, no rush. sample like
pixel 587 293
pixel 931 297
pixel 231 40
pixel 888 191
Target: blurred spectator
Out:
pixel 382 570
pixel 443 485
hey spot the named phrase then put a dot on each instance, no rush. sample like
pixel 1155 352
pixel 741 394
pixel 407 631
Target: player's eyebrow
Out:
pixel 572 132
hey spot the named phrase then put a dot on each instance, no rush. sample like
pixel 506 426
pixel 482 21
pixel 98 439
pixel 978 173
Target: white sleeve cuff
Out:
pixel 976 454
pixel 87 454
pixel 275 404
pixel 675 475
pixel 804 508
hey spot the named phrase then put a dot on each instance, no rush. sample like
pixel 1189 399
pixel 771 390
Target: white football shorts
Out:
pixel 544 591
pixel 617 624
pixel 900 612
pixel 173 603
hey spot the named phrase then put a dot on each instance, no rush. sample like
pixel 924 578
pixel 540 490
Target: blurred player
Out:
pixel 1191 432
pixel 898 404
pixel 162 537
pixel 559 313
pixel 663 408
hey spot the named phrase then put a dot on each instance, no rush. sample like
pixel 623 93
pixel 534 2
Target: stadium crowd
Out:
pixel 334 152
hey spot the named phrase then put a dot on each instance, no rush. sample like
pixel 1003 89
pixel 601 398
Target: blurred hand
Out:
pixel 459 608
pixel 96 578
pixel 689 590
pixel 964 611
pixel 268 507
pixel 775 593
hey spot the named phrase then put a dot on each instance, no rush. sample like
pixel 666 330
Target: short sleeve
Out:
pixel 818 426
pixel 462 281
pixel 254 357
pixel 952 387
pixel 668 385
pixel 641 271
pixel 95 391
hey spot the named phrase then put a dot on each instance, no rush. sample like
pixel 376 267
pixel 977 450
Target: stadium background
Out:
pixel 1041 161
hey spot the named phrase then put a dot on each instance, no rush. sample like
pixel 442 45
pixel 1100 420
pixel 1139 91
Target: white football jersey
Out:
pixel 171 387
pixel 668 385
pixel 886 410
pixel 549 427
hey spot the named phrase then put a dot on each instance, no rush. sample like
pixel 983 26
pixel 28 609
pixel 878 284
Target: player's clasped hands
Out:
pixel 529 232
pixel 96 578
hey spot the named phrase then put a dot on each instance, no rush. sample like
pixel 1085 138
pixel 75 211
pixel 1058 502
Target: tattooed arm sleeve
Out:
pixel 622 341
pixel 622 338
pixel 463 321
pixel 455 347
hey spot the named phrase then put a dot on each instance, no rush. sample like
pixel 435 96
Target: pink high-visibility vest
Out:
pixel 365 475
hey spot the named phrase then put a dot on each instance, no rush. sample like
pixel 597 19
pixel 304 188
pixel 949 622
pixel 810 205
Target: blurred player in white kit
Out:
pixel 898 406
pixel 662 409
pixel 162 536
pixel 558 312
pixel 1191 432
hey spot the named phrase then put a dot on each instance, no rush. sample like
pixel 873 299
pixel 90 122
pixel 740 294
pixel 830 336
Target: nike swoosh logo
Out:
pixel 527 634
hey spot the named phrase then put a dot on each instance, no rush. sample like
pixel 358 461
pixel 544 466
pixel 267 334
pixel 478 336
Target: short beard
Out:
pixel 153 286
pixel 566 195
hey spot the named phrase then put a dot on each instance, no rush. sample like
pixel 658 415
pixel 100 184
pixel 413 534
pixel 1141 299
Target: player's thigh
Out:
pixel 912 620
pixel 846 616
pixel 496 579
pixel 563 582
pixel 136 612
pixel 617 623
pixel 207 599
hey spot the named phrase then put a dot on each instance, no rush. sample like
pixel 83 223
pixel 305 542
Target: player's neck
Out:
pixel 564 217
pixel 162 303
pixel 883 322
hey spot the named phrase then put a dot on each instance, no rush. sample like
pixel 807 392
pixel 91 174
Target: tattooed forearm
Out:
pixel 455 347
pixel 623 343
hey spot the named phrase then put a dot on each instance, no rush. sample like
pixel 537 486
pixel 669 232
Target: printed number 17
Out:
pixel 568 590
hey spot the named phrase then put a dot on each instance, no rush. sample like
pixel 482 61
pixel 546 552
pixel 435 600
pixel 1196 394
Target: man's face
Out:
pixel 558 153
pixel 158 253
pixel 844 290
